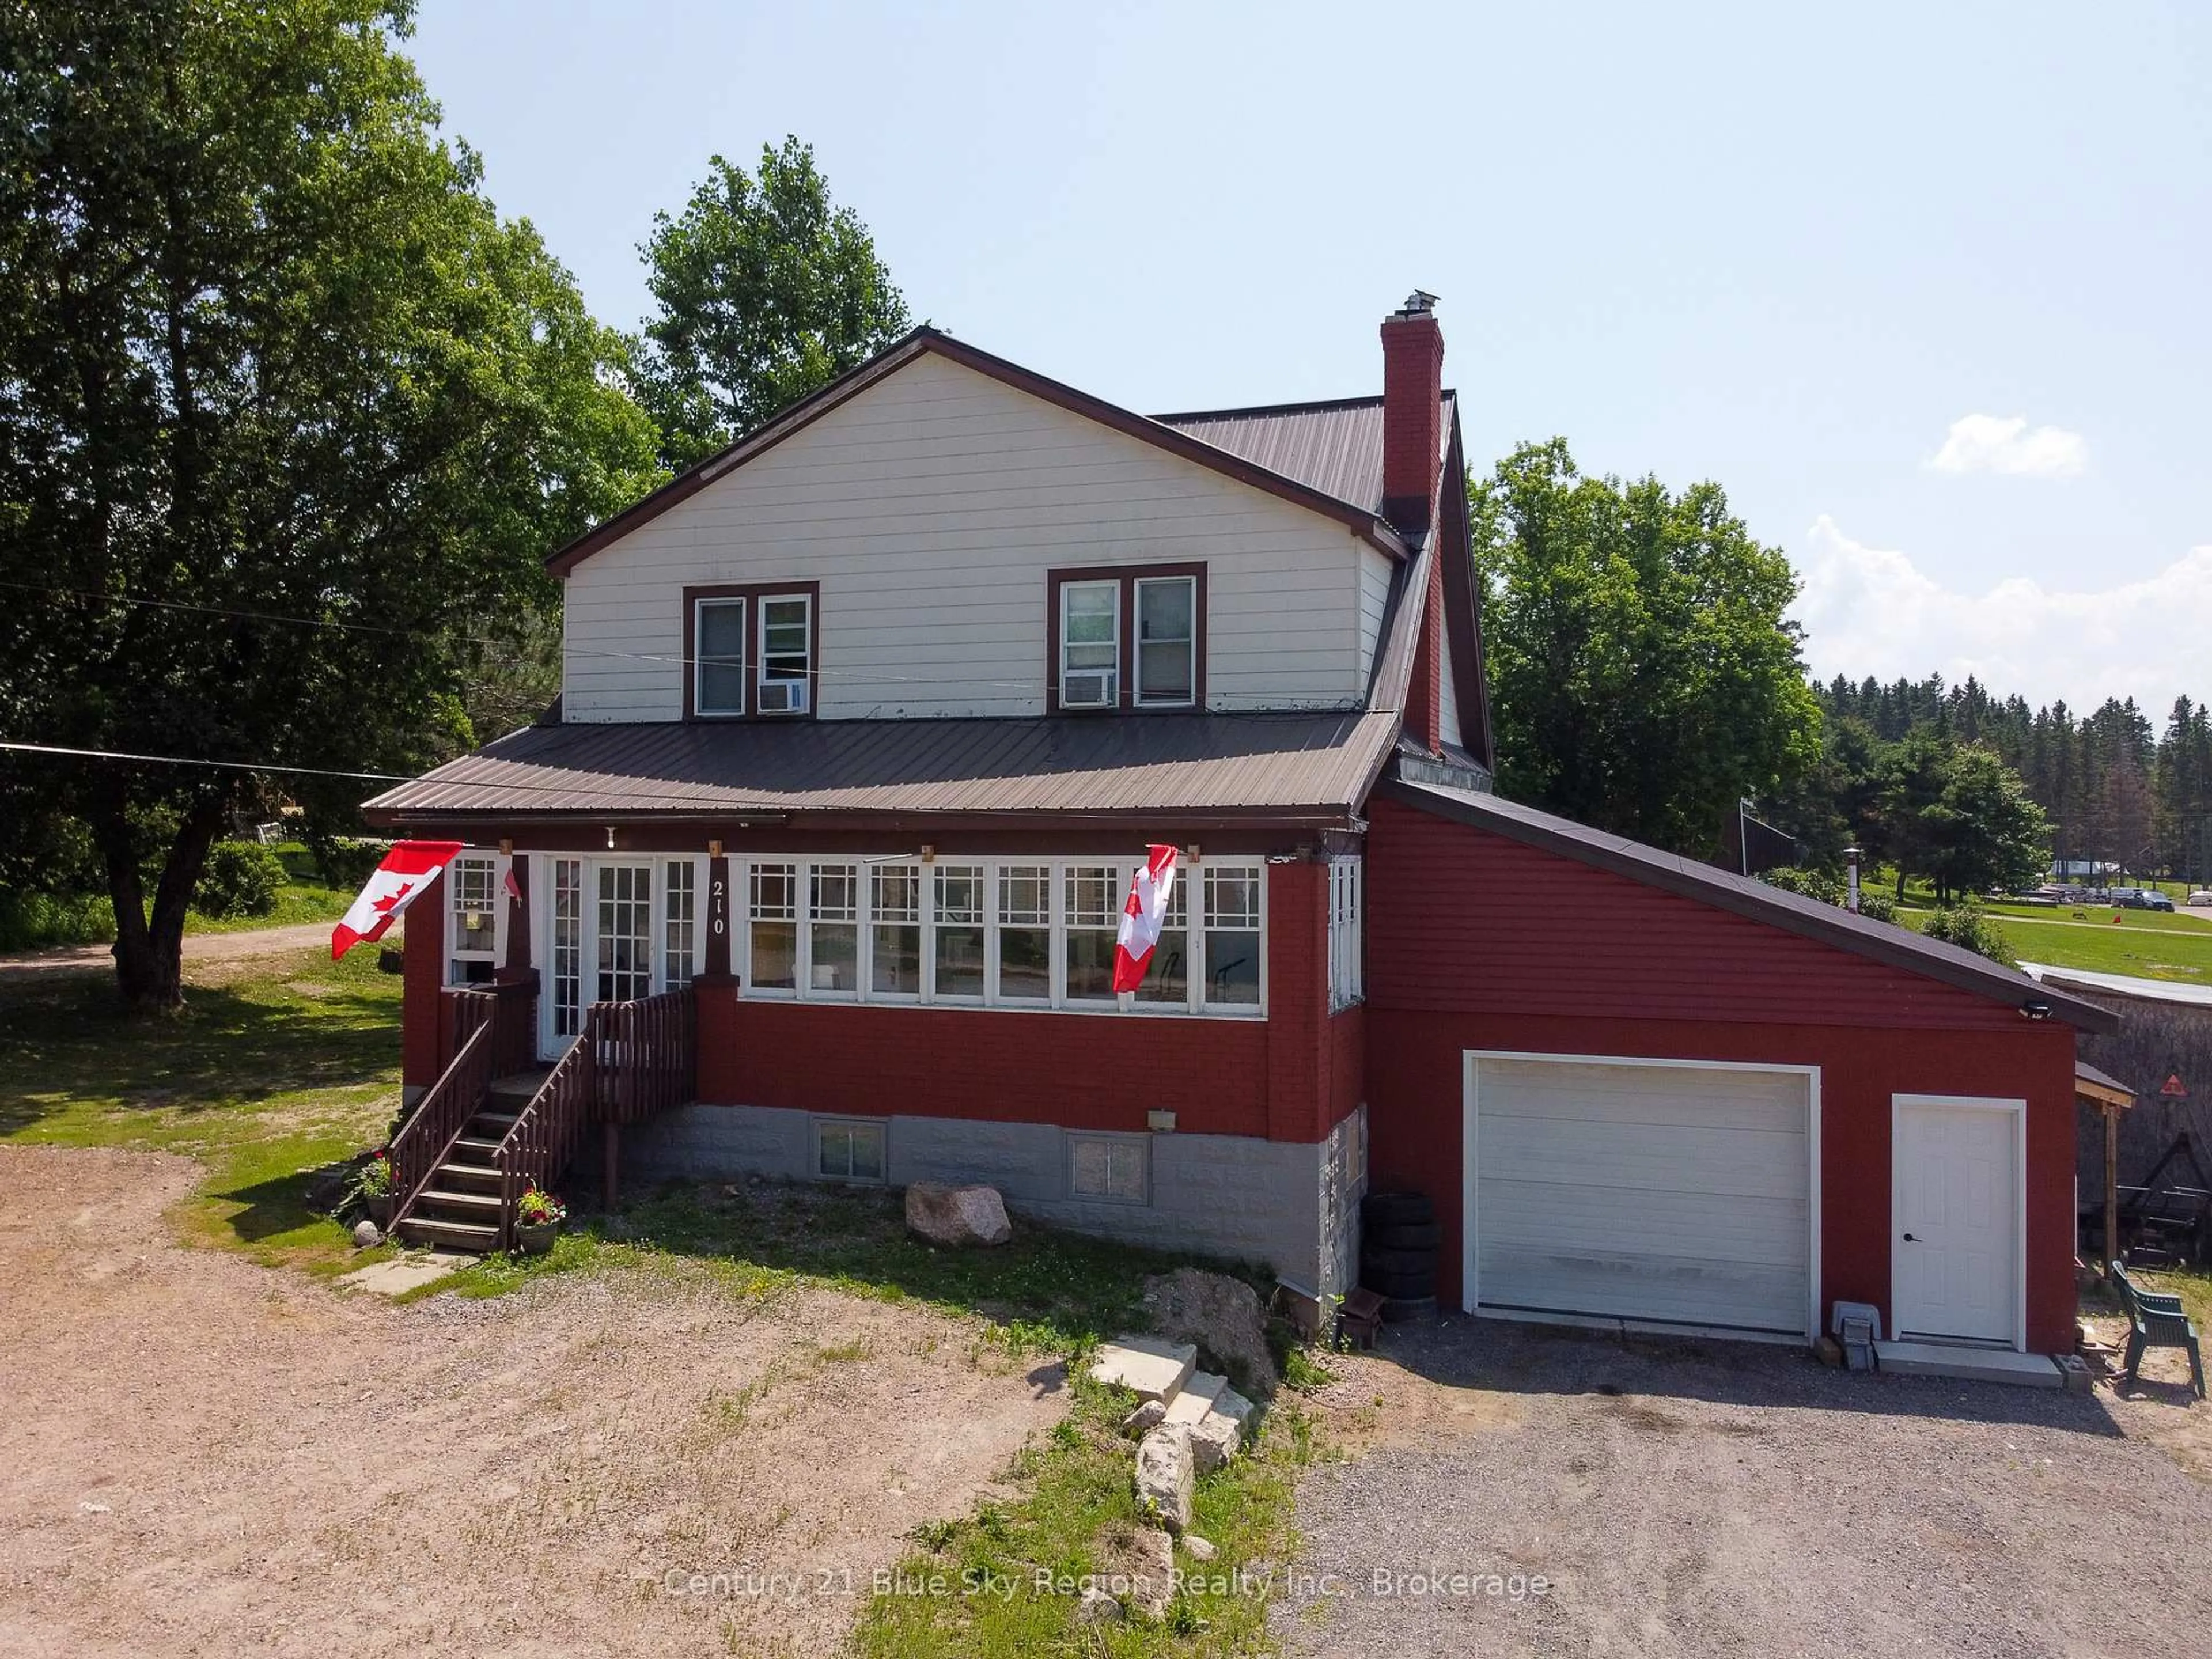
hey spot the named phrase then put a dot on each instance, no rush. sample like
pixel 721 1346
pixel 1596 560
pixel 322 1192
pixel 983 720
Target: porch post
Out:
pixel 2111 1185
pixel 518 920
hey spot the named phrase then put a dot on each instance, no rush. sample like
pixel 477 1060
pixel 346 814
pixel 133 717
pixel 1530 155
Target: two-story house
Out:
pixel 867 723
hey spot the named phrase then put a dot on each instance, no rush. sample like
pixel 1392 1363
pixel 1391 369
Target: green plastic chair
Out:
pixel 2156 1320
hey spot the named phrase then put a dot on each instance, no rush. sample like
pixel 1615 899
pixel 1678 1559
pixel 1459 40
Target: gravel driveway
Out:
pixel 1684 1497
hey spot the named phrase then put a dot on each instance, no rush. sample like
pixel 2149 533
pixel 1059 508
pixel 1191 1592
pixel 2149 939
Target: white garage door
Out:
pixel 1641 1191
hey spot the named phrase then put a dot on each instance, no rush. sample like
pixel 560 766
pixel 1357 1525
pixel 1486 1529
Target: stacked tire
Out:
pixel 1399 1237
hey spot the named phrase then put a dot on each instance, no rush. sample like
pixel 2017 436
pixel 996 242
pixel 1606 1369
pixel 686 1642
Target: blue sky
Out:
pixel 1924 287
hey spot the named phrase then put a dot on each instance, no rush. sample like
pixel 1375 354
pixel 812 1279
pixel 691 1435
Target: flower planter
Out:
pixel 535 1238
pixel 378 1208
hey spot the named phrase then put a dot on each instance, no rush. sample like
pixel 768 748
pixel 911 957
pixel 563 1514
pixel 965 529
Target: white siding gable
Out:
pixel 929 507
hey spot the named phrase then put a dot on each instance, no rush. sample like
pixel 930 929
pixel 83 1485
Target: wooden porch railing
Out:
pixel 511 1006
pixel 643 1055
pixel 632 1060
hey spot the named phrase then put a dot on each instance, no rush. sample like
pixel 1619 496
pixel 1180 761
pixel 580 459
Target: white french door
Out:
pixel 614 930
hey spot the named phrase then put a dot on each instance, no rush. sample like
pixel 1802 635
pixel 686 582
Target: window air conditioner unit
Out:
pixel 783 697
pixel 1086 690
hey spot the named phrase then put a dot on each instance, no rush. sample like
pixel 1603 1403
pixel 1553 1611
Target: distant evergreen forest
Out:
pixel 2116 789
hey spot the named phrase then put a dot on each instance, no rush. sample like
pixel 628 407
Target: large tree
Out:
pixel 284 409
pixel 1642 678
pixel 767 290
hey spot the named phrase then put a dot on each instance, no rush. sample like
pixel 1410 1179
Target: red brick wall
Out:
pixel 1477 942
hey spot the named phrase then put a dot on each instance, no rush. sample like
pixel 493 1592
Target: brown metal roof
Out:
pixel 1900 947
pixel 1308 766
pixel 1334 447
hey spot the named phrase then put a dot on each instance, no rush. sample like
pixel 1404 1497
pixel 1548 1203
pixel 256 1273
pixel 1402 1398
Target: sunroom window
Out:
pixel 896 934
pixel 471 880
pixel 1232 936
pixel 775 924
pixel 1094 913
pixel 1025 932
pixel 834 926
pixel 960 930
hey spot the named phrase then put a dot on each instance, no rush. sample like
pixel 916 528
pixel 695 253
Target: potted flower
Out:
pixel 538 1217
pixel 376 1187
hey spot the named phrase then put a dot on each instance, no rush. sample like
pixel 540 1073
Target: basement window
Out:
pixel 1116 1168
pixel 848 1149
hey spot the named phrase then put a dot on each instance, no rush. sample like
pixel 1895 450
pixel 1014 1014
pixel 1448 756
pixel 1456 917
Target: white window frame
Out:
pixel 1198 911
pixel 1136 697
pixel 1112 585
pixel 699 608
pixel 760 677
pixel 1347 922
pixel 882 1133
pixel 495 867
pixel 743 874
pixel 1117 1147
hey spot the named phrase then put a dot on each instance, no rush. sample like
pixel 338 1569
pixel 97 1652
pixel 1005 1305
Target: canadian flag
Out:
pixel 408 868
pixel 1150 889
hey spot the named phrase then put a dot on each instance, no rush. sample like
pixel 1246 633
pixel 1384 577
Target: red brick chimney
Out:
pixel 1413 413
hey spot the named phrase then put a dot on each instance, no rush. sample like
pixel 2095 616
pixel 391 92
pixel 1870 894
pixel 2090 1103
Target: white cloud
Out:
pixel 1996 443
pixel 1868 610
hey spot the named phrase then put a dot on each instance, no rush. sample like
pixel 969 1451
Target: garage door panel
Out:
pixel 1641 1191
pixel 1645 1222
pixel 1735 1294
pixel 1691 1096
pixel 1740 1162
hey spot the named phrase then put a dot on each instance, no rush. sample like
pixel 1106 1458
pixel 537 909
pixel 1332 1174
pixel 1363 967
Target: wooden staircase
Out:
pixel 496 1123
pixel 462 1206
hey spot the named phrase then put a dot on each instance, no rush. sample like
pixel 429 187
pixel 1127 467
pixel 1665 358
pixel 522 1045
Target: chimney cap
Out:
pixel 1418 303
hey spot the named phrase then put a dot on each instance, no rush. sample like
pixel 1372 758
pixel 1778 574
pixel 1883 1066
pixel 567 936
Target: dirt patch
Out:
pixel 209 949
pixel 1369 1401
pixel 203 1455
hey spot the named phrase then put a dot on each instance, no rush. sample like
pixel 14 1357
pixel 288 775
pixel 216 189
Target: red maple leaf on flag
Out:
pixel 391 898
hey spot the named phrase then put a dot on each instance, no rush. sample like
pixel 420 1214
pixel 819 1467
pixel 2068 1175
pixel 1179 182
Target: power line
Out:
pixel 851 676
pixel 187 760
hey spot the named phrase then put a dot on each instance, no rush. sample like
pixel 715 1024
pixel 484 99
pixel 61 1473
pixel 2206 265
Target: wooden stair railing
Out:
pixel 539 1144
pixel 442 1114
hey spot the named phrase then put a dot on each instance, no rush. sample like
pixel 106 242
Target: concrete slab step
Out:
pixel 1153 1368
pixel 1195 1399
pixel 2030 1371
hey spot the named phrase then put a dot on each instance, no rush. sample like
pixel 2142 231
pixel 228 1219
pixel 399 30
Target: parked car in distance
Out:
pixel 2141 898
pixel 2202 895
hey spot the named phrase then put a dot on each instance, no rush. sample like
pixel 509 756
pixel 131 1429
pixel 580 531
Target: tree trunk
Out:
pixel 149 950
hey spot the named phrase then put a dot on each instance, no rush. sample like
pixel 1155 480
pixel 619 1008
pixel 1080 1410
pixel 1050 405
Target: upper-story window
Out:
pixel 751 651
pixel 1126 639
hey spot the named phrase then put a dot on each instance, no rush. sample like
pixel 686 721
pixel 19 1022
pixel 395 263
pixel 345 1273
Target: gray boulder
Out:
pixel 956 1215
pixel 365 1235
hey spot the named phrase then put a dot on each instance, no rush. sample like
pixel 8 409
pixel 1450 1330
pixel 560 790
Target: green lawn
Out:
pixel 280 1069
pixel 2146 944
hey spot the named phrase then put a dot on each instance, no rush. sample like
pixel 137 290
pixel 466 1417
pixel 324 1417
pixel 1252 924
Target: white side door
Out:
pixel 1955 1234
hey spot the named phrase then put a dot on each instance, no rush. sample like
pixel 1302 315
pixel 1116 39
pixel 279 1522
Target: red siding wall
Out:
pixel 1291 1077
pixel 1478 942
pixel 420 1041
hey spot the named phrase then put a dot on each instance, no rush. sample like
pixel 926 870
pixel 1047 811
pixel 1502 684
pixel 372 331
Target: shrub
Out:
pixel 242 878
pixel 1970 930
pixel 32 921
pixel 344 862
pixel 1831 890
pixel 1810 883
